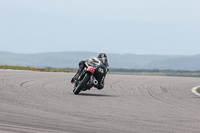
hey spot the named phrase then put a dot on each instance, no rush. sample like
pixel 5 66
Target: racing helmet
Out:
pixel 102 57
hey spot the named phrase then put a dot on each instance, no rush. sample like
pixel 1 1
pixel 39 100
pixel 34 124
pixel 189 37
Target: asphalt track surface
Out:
pixel 43 102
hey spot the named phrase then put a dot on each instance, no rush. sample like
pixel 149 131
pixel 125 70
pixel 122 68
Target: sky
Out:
pixel 159 27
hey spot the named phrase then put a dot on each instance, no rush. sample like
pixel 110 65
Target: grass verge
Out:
pixel 154 72
pixel 36 69
pixel 199 90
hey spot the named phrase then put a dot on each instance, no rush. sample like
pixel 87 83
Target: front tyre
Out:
pixel 82 84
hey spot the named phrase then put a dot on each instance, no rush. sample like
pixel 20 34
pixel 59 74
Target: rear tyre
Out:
pixel 82 84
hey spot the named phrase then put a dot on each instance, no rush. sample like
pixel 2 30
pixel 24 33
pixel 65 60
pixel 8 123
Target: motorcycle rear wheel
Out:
pixel 82 84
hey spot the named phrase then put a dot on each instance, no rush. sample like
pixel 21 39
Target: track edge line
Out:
pixel 194 90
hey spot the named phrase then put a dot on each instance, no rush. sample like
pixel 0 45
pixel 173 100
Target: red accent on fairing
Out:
pixel 90 69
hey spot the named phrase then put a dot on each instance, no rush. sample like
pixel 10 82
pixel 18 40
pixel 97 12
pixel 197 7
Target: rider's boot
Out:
pixel 76 77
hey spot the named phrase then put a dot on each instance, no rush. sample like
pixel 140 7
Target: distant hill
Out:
pixel 130 61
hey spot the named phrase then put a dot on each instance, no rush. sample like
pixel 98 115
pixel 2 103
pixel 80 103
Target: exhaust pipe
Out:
pixel 95 82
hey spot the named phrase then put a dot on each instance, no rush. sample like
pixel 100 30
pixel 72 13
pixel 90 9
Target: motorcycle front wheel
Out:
pixel 82 84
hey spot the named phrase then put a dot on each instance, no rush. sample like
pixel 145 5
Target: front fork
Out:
pixel 92 79
pixel 89 69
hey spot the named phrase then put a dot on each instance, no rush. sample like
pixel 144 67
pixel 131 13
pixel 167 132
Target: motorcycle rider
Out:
pixel 102 57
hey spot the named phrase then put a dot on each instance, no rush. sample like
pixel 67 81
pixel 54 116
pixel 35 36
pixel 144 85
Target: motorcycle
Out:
pixel 93 74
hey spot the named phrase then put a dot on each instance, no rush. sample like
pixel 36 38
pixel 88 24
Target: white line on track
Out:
pixel 194 90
